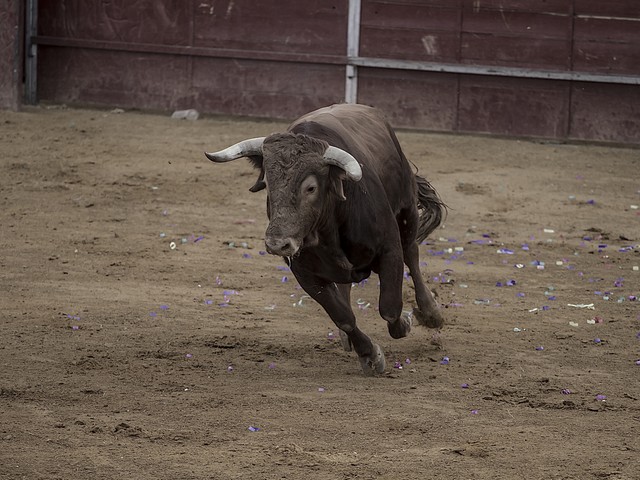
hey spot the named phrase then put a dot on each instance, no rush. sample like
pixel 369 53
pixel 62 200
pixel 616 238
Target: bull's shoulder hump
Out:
pixel 339 112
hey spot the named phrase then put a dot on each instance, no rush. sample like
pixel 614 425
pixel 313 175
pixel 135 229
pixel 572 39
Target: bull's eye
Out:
pixel 310 186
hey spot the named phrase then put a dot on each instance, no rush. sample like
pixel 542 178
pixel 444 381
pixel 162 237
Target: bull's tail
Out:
pixel 431 210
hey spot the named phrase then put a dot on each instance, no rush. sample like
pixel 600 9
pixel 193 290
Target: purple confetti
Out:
pixel 464 385
pixel 198 239
pixel 397 365
pixel 246 255
pixel 331 336
pixel 566 391
pixel 208 301
pixel 545 307
pixel 218 281
pixel 511 283
pixel 638 362
pixel 540 348
pixel 75 327
pixel 520 294
pixel 407 361
pixel 591 202
pixel 321 389
pixel 272 365
pixel 230 368
pixel 188 355
pixel 253 429
pixel 444 361
pixel 164 307
pixel 153 314
pixel 601 398
pixel 525 247
pixel 597 340
pixel 284 279
pixel 475 412
pixel 506 251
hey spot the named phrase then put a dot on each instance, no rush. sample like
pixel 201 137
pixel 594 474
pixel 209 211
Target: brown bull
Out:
pixel 343 201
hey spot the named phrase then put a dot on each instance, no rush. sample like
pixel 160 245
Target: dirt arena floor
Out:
pixel 145 335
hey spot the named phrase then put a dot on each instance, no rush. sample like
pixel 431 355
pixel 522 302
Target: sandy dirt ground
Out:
pixel 144 333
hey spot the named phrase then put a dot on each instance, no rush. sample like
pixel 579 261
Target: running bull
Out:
pixel 342 202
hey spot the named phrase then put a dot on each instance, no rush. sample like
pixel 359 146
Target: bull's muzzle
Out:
pixel 282 246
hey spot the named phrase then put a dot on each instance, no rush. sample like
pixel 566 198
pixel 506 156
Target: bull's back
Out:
pixel 364 132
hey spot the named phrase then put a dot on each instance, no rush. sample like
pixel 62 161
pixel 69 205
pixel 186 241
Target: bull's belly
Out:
pixel 338 275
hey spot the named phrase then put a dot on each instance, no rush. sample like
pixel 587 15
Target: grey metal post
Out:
pixel 31 53
pixel 353 49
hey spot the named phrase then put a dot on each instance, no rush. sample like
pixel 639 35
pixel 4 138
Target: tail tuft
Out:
pixel 431 210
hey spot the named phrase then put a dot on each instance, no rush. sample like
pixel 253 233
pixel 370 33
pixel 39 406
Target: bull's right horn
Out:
pixel 252 146
pixel 338 157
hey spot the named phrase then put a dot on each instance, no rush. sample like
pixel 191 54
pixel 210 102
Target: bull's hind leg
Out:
pixel 335 299
pixel 428 312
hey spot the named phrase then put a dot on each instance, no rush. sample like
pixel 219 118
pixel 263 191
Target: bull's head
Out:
pixel 302 176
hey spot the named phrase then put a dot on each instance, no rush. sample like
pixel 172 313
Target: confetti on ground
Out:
pixel 589 306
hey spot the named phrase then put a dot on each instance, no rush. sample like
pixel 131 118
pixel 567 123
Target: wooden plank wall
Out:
pixel 281 59
pixel 11 34
pixel 174 54
pixel 556 35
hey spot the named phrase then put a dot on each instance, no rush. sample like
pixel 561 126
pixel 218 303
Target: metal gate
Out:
pixel 565 69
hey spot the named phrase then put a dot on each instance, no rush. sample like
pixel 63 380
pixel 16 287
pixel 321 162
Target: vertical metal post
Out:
pixel 353 49
pixel 31 53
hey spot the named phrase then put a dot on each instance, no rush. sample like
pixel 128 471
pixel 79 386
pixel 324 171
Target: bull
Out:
pixel 342 202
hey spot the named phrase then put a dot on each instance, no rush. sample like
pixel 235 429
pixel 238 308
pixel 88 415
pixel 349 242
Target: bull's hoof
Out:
pixel 374 363
pixel 433 319
pixel 345 341
pixel 401 327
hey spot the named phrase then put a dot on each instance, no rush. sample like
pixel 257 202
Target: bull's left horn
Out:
pixel 252 146
pixel 338 157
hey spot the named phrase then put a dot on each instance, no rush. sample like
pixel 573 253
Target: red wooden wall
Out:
pixel 11 52
pixel 565 69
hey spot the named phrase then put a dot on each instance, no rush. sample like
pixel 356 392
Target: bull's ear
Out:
pixel 336 177
pixel 256 161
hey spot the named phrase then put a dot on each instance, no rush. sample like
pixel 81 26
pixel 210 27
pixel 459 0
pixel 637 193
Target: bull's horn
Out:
pixel 338 157
pixel 252 146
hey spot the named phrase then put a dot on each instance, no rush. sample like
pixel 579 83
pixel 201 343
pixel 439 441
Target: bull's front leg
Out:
pixel 391 268
pixel 335 299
